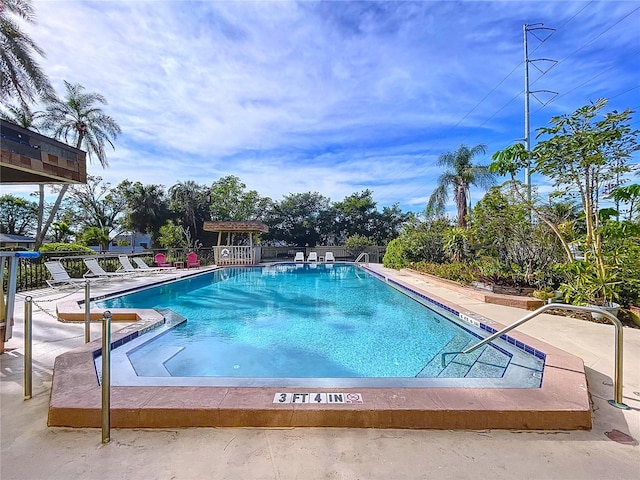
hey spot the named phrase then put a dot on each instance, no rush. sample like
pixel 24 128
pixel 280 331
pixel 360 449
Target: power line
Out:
pixel 590 80
pixel 422 170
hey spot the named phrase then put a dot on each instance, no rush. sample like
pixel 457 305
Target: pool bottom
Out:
pixel 561 403
pixel 523 371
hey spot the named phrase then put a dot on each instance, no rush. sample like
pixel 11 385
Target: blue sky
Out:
pixel 333 97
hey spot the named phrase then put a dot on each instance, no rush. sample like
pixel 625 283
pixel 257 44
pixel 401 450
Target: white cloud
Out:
pixel 333 97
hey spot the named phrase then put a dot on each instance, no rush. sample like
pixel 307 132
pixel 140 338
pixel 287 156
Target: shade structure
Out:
pixel 229 254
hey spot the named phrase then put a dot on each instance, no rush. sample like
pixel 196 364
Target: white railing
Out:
pixel 617 380
pixel 363 256
pixel 234 255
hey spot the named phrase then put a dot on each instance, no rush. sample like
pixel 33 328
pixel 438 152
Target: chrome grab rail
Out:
pixel 364 255
pixel 617 381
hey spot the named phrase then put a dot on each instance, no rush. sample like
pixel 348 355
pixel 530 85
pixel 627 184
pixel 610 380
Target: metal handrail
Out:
pixel 364 255
pixel 617 381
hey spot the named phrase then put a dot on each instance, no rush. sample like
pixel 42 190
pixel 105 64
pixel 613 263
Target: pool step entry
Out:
pixel 434 367
pixel 171 318
pixel 483 363
pixel 152 364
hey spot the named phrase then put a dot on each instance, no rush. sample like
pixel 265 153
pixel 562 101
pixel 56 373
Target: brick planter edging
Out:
pixel 527 303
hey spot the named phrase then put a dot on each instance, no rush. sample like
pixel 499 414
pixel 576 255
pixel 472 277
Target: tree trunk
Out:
pixel 52 214
pixel 40 207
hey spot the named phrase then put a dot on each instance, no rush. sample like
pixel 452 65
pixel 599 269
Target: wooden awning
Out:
pixel 241 227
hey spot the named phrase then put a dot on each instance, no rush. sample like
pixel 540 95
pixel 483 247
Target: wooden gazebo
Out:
pixel 229 254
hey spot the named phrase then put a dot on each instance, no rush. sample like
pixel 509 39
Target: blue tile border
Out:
pixel 516 343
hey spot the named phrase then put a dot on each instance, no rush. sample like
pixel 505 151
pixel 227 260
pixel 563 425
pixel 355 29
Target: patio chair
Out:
pixel 96 271
pixel 142 265
pixel 161 260
pixel 60 277
pixel 328 257
pixel 299 257
pixel 192 260
pixel 127 267
pixel 313 257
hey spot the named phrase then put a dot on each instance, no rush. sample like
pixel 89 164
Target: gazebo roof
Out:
pixel 248 227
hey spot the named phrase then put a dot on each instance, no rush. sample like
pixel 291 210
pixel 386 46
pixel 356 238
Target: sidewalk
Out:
pixel 31 450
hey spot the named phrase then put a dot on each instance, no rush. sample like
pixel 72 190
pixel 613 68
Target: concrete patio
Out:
pixel 30 449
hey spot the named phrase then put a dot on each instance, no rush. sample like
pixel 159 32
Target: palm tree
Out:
pixel 189 198
pixel 20 74
pixel 21 115
pixel 146 207
pixel 77 120
pixel 459 176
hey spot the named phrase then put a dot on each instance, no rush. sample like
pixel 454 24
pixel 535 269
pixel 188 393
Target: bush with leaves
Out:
pixel 65 247
pixel 394 256
pixel 455 271
pixel 356 244
pixel 172 236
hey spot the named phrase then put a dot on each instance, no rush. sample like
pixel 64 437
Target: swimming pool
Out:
pixel 276 324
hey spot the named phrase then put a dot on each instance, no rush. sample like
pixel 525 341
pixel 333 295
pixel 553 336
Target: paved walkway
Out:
pixel 31 450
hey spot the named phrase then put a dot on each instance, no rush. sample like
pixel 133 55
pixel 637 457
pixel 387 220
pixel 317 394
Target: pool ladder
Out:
pixel 617 381
pixel 363 255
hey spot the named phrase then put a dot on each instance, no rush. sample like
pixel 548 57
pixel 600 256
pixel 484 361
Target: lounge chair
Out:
pixel 299 257
pixel 146 268
pixel 96 271
pixel 161 260
pixel 328 257
pixel 313 257
pixel 60 277
pixel 192 260
pixel 127 267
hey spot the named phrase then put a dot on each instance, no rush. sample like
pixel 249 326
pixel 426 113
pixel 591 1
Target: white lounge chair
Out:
pixel 142 265
pixel 96 271
pixel 127 267
pixel 328 257
pixel 60 277
pixel 299 257
pixel 313 257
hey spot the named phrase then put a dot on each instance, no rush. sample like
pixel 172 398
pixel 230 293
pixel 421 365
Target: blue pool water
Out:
pixel 302 320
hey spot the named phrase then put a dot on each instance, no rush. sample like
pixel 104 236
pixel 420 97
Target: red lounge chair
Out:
pixel 161 260
pixel 192 260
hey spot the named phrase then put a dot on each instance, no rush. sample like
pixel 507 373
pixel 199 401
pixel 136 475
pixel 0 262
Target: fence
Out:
pixel 33 274
pixel 271 254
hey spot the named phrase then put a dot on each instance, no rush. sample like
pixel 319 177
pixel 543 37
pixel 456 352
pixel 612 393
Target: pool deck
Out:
pixel 30 448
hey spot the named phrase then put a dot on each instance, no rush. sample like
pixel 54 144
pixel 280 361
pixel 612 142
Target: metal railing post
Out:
pixel 28 344
pixel 106 376
pixel 87 312
pixel 617 374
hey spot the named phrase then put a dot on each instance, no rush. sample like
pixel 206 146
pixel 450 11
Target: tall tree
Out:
pixel 190 200
pixel 17 215
pixel 230 201
pixel 20 115
pixel 461 173
pixel 585 151
pixel 20 75
pixel 355 215
pixel 298 219
pixel 78 121
pixel 97 205
pixel 146 207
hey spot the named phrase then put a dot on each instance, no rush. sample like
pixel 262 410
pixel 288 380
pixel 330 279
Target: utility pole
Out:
pixel 532 29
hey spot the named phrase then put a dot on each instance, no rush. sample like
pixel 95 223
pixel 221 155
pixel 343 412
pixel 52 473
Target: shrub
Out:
pixel 395 257
pixel 65 247
pixel 356 244
pixel 456 271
